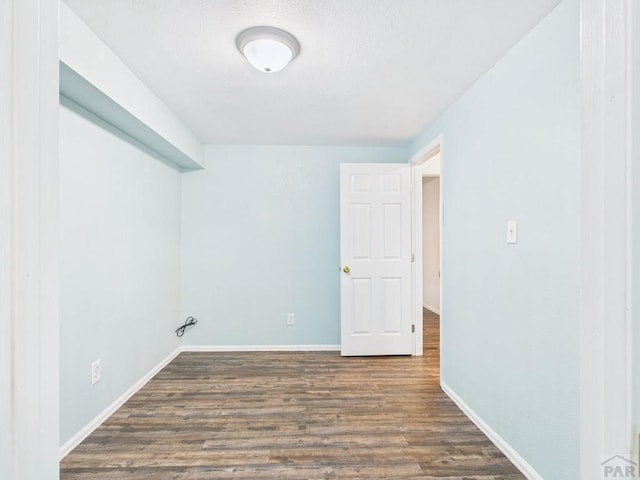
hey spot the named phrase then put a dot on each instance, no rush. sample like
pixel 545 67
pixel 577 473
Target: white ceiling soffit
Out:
pixel 370 72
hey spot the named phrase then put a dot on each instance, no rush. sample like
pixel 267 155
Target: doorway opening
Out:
pixel 431 242
pixel 431 264
pixel 427 235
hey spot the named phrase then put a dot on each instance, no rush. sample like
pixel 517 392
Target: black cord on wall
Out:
pixel 189 322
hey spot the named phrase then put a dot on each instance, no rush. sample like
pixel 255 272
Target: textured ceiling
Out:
pixel 369 71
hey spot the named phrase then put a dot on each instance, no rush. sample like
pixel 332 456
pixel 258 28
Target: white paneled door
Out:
pixel 375 252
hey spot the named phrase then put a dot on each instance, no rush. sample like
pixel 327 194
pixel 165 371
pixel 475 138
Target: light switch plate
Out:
pixel 96 372
pixel 512 231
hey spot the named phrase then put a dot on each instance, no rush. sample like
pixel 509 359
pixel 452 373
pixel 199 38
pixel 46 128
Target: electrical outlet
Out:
pixel 291 319
pixel 96 372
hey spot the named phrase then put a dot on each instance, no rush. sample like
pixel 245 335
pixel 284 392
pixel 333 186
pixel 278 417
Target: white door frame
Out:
pixel 606 242
pixel 29 328
pixel 418 160
pixel 5 236
pixel 634 218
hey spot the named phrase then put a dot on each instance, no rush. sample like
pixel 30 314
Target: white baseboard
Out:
pixel 74 441
pixel 520 463
pixel 432 309
pixel 260 348
pixel 77 439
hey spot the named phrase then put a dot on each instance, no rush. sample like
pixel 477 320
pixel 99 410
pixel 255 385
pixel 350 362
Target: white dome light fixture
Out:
pixel 268 49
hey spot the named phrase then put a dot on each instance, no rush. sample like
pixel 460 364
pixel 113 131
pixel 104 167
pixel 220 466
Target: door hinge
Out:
pixel 413 328
pixel 413 257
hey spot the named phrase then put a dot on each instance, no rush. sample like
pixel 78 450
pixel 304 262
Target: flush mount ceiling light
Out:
pixel 268 49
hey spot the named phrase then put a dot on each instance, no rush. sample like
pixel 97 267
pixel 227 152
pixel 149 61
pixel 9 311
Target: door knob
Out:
pixel 346 269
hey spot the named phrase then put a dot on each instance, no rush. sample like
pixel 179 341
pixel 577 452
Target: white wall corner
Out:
pixel 6 32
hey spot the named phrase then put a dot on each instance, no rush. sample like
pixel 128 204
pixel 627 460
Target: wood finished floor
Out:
pixel 291 416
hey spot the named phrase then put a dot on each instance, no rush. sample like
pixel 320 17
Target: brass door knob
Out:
pixel 346 269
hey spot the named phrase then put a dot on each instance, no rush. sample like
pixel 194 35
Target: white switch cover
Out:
pixel 291 319
pixel 96 372
pixel 512 231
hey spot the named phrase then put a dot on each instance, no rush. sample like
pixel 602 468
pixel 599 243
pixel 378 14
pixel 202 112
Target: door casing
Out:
pixel 418 161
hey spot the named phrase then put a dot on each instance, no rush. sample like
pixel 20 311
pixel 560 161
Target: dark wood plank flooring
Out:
pixel 291 416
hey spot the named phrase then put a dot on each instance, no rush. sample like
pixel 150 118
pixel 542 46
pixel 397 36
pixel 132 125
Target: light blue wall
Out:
pixel 261 239
pixel 119 266
pixel 510 333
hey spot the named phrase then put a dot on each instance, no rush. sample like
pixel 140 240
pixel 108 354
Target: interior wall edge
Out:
pixel 500 443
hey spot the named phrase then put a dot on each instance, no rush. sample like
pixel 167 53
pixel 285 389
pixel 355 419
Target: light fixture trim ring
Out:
pixel 268 33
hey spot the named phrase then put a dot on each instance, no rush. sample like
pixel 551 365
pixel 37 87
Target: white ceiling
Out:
pixel 370 72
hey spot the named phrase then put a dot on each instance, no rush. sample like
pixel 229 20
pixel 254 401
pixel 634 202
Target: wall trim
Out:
pixel 81 435
pixel 606 246
pixel 429 150
pixel 30 219
pixel 418 162
pixel 260 348
pixel 432 309
pixel 519 462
